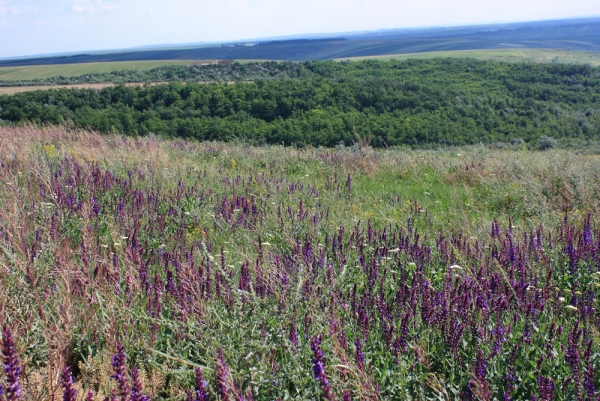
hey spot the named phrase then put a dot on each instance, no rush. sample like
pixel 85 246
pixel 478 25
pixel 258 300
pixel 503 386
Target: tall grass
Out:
pixel 296 274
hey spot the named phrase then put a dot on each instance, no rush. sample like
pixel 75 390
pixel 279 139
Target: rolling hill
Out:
pixel 579 35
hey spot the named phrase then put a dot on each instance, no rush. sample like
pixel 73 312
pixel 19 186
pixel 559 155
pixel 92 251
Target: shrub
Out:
pixel 546 142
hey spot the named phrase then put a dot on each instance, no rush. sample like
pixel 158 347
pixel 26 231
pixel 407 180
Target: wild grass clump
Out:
pixel 137 268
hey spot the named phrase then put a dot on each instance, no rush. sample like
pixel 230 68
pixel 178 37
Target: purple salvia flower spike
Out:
pixel 12 367
pixel 119 363
pixel 201 387
pixel 319 368
pixel 136 389
pixel 69 393
pixel 222 376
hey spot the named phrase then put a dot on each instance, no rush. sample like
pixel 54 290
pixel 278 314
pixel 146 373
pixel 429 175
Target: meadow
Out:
pixel 136 267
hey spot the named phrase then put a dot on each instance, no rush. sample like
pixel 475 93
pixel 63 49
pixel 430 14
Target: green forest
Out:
pixel 222 72
pixel 326 103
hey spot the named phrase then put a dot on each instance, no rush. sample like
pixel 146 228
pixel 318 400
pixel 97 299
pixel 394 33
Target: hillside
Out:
pixel 581 35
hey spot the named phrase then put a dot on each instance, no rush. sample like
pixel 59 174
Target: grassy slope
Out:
pixel 388 187
pixel 510 55
pixel 71 70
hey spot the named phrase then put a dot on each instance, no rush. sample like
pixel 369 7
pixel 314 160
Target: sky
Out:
pixel 29 27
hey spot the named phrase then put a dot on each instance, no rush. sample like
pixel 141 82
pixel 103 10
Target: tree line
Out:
pixel 325 103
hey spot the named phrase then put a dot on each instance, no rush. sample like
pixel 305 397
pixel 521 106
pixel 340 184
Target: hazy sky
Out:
pixel 50 26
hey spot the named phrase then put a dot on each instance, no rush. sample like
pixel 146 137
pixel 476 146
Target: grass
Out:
pixel 71 70
pixel 508 55
pixel 237 259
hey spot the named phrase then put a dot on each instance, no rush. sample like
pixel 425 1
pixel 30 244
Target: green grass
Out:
pixel 510 55
pixel 72 70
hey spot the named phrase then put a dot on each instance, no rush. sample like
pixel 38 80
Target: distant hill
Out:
pixel 580 34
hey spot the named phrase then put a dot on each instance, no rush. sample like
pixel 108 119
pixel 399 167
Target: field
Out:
pixel 203 270
pixel 71 70
pixel 571 35
pixel 508 55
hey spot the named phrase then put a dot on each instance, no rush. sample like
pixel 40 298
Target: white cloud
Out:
pixel 39 22
pixel 94 6
pixel 6 8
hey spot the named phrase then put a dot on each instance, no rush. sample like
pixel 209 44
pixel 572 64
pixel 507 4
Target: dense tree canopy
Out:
pixel 414 102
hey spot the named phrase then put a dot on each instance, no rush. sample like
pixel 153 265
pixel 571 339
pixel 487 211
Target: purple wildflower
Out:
pixel 11 364
pixel 136 389
pixel 222 376
pixel 119 362
pixel 480 366
pixel 69 393
pixel 360 356
pixel 319 368
pixel 546 388
pixel 201 385
pixel 89 396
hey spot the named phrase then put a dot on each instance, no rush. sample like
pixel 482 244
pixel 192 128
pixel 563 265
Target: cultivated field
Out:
pixel 177 269
pixel 508 55
pixel 71 70
pixel 11 90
